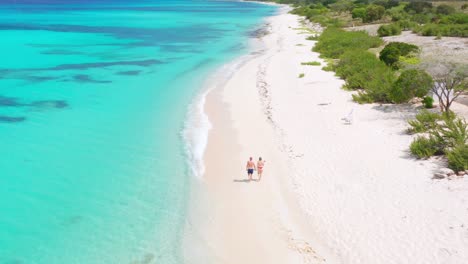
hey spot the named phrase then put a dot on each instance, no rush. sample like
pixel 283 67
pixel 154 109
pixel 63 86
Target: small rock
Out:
pixel 439 176
pixel 461 173
pixel 446 171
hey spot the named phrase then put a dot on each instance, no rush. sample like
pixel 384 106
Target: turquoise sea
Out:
pixel 93 100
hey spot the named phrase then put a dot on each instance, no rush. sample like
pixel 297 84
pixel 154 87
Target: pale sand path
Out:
pixel 344 193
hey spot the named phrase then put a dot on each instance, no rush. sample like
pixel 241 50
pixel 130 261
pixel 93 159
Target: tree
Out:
pixel 411 83
pixel 390 55
pixel 450 82
pixel 445 9
pixel 359 13
pixel 374 12
pixel 342 6
pixel 418 7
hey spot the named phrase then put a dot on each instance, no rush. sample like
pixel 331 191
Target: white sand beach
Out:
pixel 331 192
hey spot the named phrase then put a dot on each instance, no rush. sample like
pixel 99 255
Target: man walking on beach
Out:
pixel 250 168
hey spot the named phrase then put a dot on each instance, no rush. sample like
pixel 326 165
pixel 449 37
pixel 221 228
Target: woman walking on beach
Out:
pixel 260 164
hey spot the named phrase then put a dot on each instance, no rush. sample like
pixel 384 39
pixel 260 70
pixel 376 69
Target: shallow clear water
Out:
pixel 93 97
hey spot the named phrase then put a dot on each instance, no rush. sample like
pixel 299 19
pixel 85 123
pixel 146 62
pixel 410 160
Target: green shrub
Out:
pixel 423 147
pixel 311 63
pixel 313 37
pixel 404 48
pixel 450 30
pixel 373 13
pixel 428 102
pixel 362 70
pixel 362 98
pixel 403 61
pixel 359 12
pixel 453 132
pixel 458 158
pixel 418 7
pixel 389 30
pixel 424 121
pixel 458 18
pixel 333 42
pixel 390 56
pixel 445 9
pixel 406 24
pixel 411 83
pixel 393 51
pixel 301 75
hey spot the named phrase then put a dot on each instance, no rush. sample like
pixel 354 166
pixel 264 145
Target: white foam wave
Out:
pixel 197 125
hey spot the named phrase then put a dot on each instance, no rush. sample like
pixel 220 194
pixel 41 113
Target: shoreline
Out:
pixel 331 193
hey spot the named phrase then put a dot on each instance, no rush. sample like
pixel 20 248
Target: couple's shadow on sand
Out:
pixel 245 180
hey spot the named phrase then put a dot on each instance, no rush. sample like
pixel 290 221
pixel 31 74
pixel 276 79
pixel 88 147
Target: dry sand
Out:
pixel 331 192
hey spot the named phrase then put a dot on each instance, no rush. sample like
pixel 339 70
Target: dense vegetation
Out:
pixel 386 76
pixel 423 17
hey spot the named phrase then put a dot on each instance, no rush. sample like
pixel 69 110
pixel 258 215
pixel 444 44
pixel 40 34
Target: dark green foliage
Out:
pixel 404 48
pixel 424 121
pixel 421 18
pixel 390 55
pixel 458 158
pixel 411 83
pixel 389 30
pixel 445 9
pixel 450 30
pixel 464 6
pixel 342 6
pixel 424 148
pixel 359 12
pixel 418 7
pixel 373 13
pixel 362 70
pixel 333 42
pixel 406 24
pixel 392 52
pixel 458 18
pixel 428 102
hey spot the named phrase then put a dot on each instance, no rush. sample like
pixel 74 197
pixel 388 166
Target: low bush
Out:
pixel 411 83
pixel 301 75
pixel 390 55
pixel 389 30
pixel 373 13
pixel 393 51
pixel 453 132
pixel 404 48
pixel 418 7
pixel 424 121
pixel 311 63
pixel 333 42
pixel 458 18
pixel 458 158
pixel 406 24
pixel 428 102
pixel 363 71
pixel 450 30
pixel 424 148
pixel 445 9
pixel 362 98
